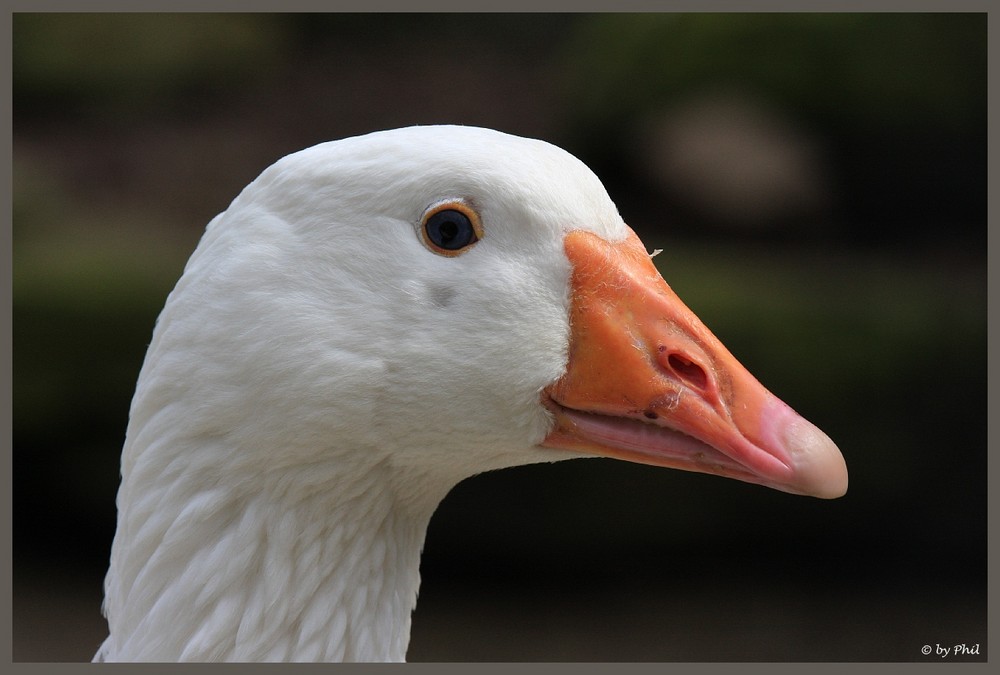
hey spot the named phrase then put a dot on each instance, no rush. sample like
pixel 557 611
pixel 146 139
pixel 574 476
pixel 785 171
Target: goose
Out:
pixel 371 321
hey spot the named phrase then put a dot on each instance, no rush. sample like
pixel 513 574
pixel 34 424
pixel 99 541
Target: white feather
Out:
pixel 318 380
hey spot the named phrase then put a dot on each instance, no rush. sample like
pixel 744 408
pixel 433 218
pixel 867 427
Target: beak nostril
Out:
pixel 688 370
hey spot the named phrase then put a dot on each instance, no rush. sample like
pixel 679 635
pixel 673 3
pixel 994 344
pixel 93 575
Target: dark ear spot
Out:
pixel 442 295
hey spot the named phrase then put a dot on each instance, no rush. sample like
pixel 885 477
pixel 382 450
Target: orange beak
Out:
pixel 648 382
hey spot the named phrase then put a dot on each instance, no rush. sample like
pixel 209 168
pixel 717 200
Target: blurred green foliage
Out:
pixel 121 64
pixel 878 70
pixel 896 101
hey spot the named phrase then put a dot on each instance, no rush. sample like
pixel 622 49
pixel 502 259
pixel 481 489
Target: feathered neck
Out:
pixel 209 568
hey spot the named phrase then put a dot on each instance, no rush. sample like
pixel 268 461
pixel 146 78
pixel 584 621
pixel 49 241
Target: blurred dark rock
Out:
pixel 737 161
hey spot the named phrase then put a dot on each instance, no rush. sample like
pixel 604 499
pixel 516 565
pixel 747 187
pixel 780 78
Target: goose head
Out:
pixel 371 321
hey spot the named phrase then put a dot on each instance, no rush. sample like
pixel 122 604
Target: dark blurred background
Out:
pixel 817 183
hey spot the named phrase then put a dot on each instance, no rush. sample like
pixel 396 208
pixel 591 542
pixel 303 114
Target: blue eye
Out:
pixel 451 228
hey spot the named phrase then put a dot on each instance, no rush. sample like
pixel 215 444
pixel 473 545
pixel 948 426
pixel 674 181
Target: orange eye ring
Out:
pixel 450 227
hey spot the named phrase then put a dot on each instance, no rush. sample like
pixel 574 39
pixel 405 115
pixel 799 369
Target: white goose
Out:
pixel 371 321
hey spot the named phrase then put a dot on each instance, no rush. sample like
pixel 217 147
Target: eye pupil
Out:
pixel 450 229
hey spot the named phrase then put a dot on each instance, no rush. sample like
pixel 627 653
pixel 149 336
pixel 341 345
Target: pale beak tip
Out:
pixel 820 469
